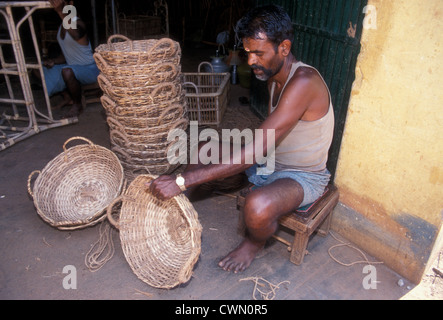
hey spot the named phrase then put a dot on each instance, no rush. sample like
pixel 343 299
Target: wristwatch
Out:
pixel 180 181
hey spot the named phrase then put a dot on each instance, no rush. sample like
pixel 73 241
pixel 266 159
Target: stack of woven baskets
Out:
pixel 144 100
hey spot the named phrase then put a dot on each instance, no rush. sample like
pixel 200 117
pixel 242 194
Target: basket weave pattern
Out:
pixel 144 100
pixel 161 240
pixel 76 187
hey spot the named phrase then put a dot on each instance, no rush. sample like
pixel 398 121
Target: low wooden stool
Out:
pixel 305 221
pixel 91 93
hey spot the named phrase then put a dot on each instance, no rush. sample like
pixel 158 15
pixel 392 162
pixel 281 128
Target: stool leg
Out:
pixel 323 230
pixel 83 100
pixel 299 247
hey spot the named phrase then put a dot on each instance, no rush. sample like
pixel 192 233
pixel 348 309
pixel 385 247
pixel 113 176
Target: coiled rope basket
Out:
pixel 161 240
pixel 75 188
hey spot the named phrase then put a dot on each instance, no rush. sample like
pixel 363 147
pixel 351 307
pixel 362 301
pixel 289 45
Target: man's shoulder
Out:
pixel 308 77
pixel 306 72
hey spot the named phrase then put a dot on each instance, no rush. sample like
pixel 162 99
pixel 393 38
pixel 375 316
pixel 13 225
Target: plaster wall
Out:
pixel 390 168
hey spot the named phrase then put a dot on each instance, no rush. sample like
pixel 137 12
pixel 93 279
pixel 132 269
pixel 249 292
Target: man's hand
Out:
pixel 164 187
pixel 49 63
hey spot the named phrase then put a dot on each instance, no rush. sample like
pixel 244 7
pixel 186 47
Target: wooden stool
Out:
pixel 305 221
pixel 91 93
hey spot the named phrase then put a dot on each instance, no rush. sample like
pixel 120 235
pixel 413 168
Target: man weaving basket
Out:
pixel 301 116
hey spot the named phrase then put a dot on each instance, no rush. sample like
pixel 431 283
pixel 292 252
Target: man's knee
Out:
pixel 258 211
pixel 68 74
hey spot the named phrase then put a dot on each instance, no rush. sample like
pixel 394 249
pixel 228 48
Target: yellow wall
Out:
pixel 390 168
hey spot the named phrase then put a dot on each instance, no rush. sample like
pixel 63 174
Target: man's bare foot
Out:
pixel 66 101
pixel 75 111
pixel 62 104
pixel 240 258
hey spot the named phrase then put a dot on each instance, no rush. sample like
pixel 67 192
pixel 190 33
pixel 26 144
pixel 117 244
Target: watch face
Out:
pixel 180 181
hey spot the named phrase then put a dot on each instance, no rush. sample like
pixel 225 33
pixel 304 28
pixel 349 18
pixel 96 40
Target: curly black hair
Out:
pixel 271 20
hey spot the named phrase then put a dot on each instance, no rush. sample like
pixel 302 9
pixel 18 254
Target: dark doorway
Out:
pixel 327 36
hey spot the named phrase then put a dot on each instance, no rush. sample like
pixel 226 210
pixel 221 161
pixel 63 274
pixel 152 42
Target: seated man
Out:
pixel 75 65
pixel 301 117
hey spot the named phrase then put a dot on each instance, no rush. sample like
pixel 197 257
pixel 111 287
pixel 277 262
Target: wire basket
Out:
pixel 207 96
pixel 76 187
pixel 161 240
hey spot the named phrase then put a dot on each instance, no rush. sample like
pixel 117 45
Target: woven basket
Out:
pixel 132 171
pixel 160 153
pixel 138 75
pixel 140 52
pixel 147 136
pixel 136 159
pixel 156 117
pixel 161 240
pixel 138 108
pixel 151 163
pixel 119 139
pixel 75 188
pixel 145 93
pixel 153 131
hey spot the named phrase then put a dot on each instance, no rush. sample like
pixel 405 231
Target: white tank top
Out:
pixel 75 53
pixel 307 145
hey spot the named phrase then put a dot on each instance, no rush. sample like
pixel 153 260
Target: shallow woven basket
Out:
pixel 75 188
pixel 147 130
pixel 138 52
pixel 139 75
pixel 125 152
pixel 119 139
pixel 141 95
pixel 146 136
pixel 145 164
pixel 159 117
pixel 138 160
pixel 161 240
pixel 134 171
pixel 138 108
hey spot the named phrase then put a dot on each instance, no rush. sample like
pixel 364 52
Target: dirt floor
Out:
pixel 41 262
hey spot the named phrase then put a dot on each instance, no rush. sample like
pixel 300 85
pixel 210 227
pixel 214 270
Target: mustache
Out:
pixel 254 66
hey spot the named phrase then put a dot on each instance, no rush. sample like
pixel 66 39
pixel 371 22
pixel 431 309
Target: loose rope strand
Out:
pixel 103 250
pixel 344 244
pixel 270 295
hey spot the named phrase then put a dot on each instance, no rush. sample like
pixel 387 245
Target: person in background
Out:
pixel 301 115
pixel 75 66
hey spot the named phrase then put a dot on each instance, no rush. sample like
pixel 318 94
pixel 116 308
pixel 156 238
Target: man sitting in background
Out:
pixel 75 66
